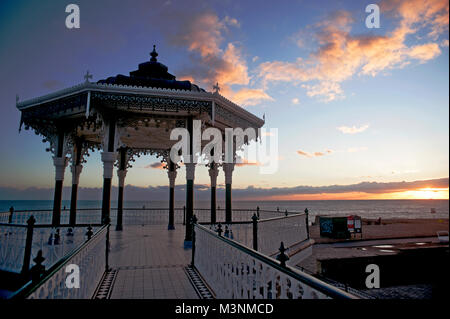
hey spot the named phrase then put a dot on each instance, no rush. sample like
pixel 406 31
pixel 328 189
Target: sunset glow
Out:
pixel 423 193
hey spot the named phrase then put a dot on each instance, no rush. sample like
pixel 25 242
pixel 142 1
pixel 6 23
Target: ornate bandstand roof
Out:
pixel 146 105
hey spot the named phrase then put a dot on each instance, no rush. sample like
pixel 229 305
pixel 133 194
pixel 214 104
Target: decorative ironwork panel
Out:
pixel 152 103
pixel 92 263
pixel 232 273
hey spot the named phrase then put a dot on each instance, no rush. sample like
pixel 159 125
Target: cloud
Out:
pixel 246 96
pixel 353 129
pixel 303 153
pixel 212 59
pixel 202 192
pixel 314 154
pixel 295 100
pixel 246 162
pixel 341 55
pixel 157 165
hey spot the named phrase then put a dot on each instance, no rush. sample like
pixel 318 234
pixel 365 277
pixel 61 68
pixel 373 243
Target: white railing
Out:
pixel 54 248
pixel 91 260
pixel 234 271
pixel 55 243
pixel 12 247
pixel 290 230
pixel 135 216
pixel 4 217
pixel 271 232
pixel 240 232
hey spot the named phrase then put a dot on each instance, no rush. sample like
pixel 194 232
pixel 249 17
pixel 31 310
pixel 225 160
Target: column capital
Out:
pixel 60 166
pixel 190 171
pixel 76 171
pixel 228 170
pixel 172 176
pixel 121 174
pixel 213 173
pixel 108 159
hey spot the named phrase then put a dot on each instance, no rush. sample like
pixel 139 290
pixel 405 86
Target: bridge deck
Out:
pixel 150 261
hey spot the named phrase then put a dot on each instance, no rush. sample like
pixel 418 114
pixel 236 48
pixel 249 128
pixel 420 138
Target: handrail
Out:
pixel 31 286
pixel 152 208
pixel 323 287
pixel 51 226
pixel 281 217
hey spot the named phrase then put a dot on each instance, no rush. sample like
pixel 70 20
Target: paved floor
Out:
pixel 150 261
pixel 360 243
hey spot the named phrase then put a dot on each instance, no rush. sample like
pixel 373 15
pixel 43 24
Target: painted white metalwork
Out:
pixel 90 259
pixel 4 217
pixel 290 230
pixel 54 249
pixel 134 216
pixel 131 216
pixel 12 247
pixel 234 271
pixel 13 239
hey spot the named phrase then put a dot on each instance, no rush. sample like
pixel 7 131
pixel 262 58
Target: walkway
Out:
pixel 150 261
pixel 383 241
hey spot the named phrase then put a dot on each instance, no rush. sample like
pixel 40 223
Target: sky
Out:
pixel 361 113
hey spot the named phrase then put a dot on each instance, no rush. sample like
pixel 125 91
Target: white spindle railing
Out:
pixel 132 216
pixel 290 230
pixel 91 260
pixel 12 247
pixel 234 271
pixel 45 239
pixel 4 217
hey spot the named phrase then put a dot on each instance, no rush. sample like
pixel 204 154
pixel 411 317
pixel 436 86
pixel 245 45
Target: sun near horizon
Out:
pixel 420 193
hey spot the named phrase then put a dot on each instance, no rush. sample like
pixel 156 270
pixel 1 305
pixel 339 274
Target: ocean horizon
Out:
pixel 391 208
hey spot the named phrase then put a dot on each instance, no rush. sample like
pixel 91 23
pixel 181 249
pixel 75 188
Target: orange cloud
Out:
pixel 157 165
pixel 246 162
pixel 315 154
pixel 203 34
pixel 341 55
pixel 248 96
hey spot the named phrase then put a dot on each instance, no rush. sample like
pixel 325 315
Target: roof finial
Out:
pixel 216 88
pixel 87 76
pixel 153 54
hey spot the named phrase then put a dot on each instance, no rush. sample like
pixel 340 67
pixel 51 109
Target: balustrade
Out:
pixel 90 257
pixel 233 271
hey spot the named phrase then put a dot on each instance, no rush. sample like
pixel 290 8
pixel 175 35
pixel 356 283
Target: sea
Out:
pixel 411 208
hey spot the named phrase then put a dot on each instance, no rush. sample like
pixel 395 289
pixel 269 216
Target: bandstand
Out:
pixel 232 257
pixel 127 116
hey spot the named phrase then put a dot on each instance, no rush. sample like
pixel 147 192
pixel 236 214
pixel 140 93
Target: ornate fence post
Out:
pixel 226 233
pixel 307 222
pixel 255 230
pixel 89 232
pixel 286 213
pixel 28 244
pixel 282 257
pixel 38 269
pixel 257 211
pixel 219 229
pixel 194 222
pixel 11 212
